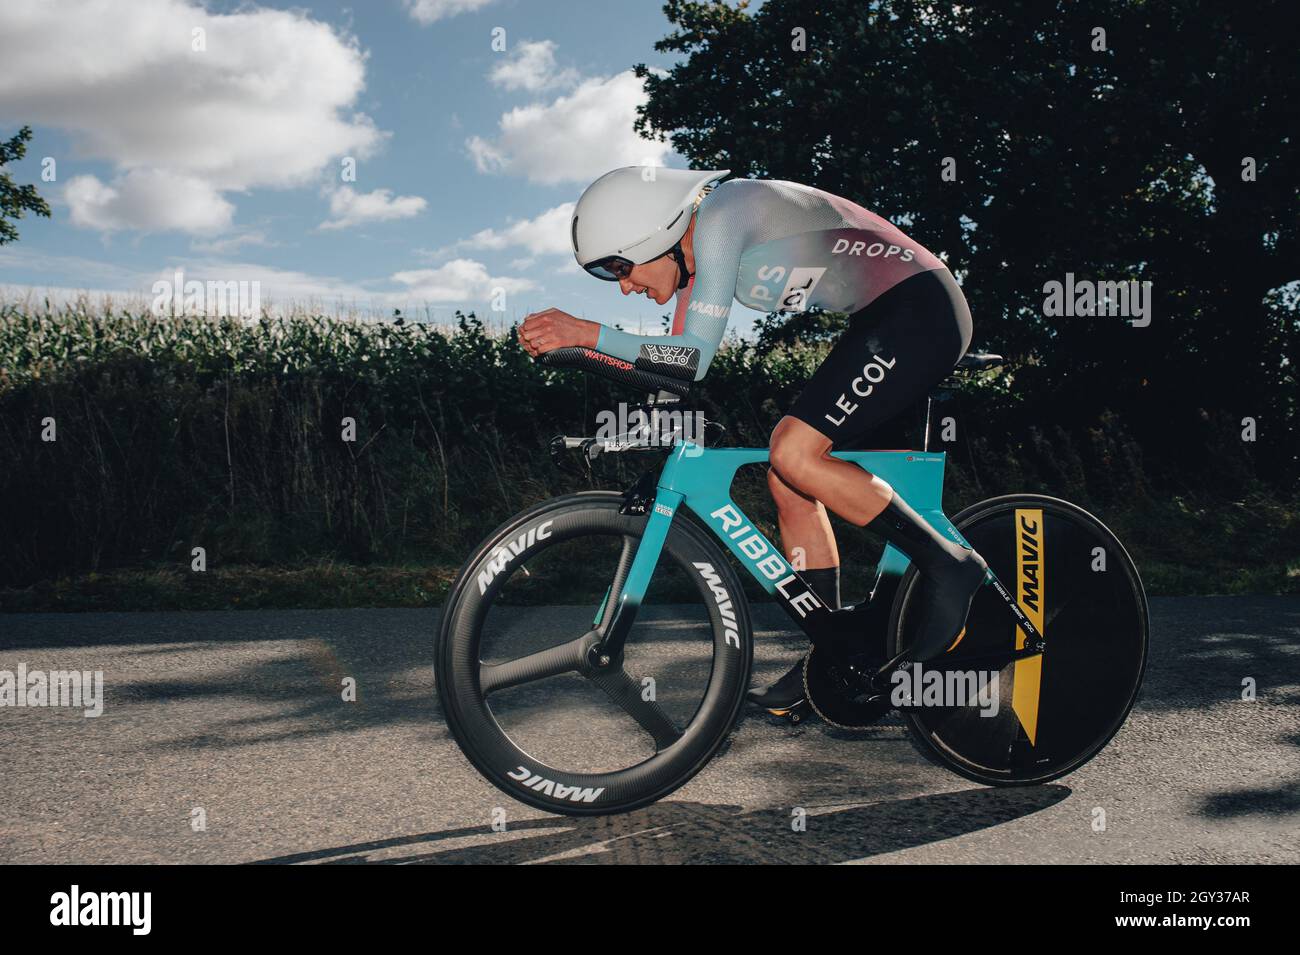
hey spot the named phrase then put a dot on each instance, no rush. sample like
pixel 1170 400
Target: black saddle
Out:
pixel 979 361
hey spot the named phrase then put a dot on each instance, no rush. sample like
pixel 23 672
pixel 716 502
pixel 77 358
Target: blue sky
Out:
pixel 220 152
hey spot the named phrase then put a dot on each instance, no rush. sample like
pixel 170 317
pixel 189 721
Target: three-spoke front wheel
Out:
pixel 544 718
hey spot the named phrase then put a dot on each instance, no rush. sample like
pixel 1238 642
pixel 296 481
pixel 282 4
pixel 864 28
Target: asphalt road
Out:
pixel 236 718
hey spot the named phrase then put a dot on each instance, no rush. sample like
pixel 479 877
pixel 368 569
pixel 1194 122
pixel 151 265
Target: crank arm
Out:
pixel 1006 656
pixel 1031 648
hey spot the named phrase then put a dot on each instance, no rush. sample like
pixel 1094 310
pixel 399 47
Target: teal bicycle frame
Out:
pixel 701 478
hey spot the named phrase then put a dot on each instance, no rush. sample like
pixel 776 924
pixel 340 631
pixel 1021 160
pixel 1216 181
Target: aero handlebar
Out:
pixel 615 369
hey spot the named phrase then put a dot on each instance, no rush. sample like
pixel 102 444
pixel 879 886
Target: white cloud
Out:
pixel 278 287
pixel 153 200
pixel 546 234
pixel 285 287
pixel 531 66
pixel 15 258
pixel 573 139
pixel 269 102
pixel 349 207
pixel 487 157
pixel 233 243
pixel 118 280
pixel 430 11
pixel 458 281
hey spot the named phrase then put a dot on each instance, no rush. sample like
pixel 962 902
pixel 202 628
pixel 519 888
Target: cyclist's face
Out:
pixel 656 280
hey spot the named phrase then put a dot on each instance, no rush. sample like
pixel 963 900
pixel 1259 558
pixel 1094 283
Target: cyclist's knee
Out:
pixel 788 463
pixel 793 456
pixel 795 450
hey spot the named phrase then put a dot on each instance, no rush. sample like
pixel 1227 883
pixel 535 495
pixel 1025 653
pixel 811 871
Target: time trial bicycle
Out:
pixel 594 651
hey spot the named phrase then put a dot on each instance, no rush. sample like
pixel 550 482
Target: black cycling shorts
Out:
pixel 894 351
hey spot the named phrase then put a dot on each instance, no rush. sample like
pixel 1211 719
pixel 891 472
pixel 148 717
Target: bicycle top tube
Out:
pixel 701 478
pixel 702 474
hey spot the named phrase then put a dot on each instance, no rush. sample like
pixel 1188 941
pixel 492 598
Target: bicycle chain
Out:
pixel 807 695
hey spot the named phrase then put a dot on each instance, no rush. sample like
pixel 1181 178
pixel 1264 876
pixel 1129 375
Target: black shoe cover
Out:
pixel 944 600
pixel 950 576
pixel 783 694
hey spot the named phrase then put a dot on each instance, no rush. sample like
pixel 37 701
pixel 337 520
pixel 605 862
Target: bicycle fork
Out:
pixel 608 648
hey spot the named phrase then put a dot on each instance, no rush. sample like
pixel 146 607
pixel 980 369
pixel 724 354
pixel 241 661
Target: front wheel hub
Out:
pixel 598 657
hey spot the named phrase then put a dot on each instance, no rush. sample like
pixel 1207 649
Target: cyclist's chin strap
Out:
pixel 683 277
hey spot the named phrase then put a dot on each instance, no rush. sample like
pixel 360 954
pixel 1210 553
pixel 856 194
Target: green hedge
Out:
pixel 175 432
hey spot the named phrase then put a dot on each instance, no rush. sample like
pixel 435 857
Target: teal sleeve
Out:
pixel 625 345
pixel 718 246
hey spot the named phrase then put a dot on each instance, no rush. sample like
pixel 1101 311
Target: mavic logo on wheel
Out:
pixel 526 777
pixel 1030 561
pixel 1028 674
pixel 503 555
pixel 723 600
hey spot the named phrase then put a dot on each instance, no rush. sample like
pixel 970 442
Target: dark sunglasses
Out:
pixel 612 268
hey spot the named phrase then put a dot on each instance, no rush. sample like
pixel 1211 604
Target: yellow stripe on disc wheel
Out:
pixel 1028 672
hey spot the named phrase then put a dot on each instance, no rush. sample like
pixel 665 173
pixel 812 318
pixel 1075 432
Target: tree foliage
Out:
pixel 1124 159
pixel 15 201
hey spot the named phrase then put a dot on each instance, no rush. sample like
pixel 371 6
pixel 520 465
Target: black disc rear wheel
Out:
pixel 1057 710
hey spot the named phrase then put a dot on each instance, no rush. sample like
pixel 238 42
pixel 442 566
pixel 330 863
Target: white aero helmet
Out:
pixel 636 214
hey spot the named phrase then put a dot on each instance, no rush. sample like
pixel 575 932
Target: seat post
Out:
pixel 925 439
pixel 970 362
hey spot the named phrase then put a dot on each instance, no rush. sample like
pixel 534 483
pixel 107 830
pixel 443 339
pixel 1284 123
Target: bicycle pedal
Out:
pixel 792 714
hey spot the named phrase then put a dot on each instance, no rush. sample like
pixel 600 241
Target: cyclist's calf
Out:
pixel 790 502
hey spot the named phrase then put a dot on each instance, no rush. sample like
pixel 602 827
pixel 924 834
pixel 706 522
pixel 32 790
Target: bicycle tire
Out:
pixel 489 747
pixel 1111 605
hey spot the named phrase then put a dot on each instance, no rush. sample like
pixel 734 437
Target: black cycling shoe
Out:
pixel 782 696
pixel 950 576
pixel 945 599
pixel 785 694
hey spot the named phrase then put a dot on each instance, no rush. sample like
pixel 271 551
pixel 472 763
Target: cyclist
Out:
pixel 782 246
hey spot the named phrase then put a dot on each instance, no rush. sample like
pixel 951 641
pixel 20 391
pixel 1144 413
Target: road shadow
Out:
pixel 388 653
pixel 690 833
pixel 1201 650
pixel 1278 799
pixel 1203 647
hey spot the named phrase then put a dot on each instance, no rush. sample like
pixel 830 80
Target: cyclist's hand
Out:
pixel 551 328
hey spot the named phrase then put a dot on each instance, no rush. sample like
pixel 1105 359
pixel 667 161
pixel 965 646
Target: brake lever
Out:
pixel 561 444
pixel 557 449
